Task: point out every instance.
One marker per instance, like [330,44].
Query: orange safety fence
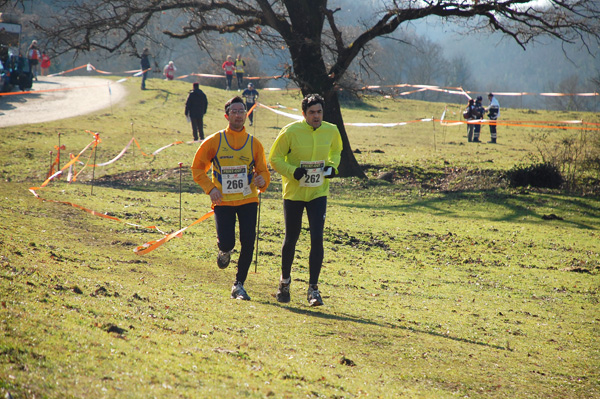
[536,124]
[69,165]
[417,87]
[152,245]
[141,250]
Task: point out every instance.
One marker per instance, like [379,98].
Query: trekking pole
[132,147]
[257,233]
[434,148]
[180,165]
[58,166]
[50,170]
[94,169]
[110,98]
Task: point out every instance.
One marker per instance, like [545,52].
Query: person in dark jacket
[478,111]
[195,108]
[145,64]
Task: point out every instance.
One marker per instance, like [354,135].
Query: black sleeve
[204,103]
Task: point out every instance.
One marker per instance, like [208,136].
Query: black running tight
[292,214]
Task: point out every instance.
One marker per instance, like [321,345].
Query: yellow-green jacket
[298,142]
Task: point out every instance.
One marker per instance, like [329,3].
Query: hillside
[441,282]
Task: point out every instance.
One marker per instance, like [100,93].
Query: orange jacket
[207,151]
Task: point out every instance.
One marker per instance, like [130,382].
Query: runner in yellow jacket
[306,153]
[239,170]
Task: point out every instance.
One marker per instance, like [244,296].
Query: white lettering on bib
[314,176]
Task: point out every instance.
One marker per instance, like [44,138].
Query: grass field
[442,283]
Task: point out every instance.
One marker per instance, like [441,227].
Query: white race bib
[235,180]
[314,177]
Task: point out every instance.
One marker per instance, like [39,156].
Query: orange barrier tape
[117,157]
[251,109]
[459,90]
[208,75]
[95,213]
[73,160]
[167,146]
[140,148]
[372,124]
[293,116]
[515,123]
[70,70]
[419,87]
[15,93]
[152,245]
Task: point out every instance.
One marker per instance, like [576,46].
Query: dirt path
[69,96]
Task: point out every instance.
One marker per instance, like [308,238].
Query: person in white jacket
[493,111]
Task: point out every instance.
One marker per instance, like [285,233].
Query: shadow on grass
[348,318]
[163,180]
[517,206]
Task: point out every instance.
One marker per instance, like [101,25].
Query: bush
[543,175]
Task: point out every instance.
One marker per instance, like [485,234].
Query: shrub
[543,175]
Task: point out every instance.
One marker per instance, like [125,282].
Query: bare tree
[569,101]
[459,72]
[320,52]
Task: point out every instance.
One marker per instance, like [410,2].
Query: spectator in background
[145,66]
[251,95]
[195,108]
[468,115]
[169,71]
[34,56]
[477,115]
[239,73]
[45,63]
[493,111]
[228,66]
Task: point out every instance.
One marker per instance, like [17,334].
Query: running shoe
[238,292]
[313,296]
[283,292]
[223,259]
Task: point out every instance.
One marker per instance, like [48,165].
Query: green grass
[444,283]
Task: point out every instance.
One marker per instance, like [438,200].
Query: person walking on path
[45,63]
[169,71]
[228,66]
[195,108]
[239,71]
[239,171]
[33,57]
[251,95]
[145,65]
[305,153]
[493,111]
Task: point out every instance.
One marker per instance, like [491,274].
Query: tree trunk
[311,75]
[332,113]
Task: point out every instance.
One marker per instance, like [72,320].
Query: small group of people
[230,67]
[39,62]
[168,71]
[305,153]
[475,111]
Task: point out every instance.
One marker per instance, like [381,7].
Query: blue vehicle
[10,41]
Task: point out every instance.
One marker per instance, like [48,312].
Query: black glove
[299,173]
[329,172]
